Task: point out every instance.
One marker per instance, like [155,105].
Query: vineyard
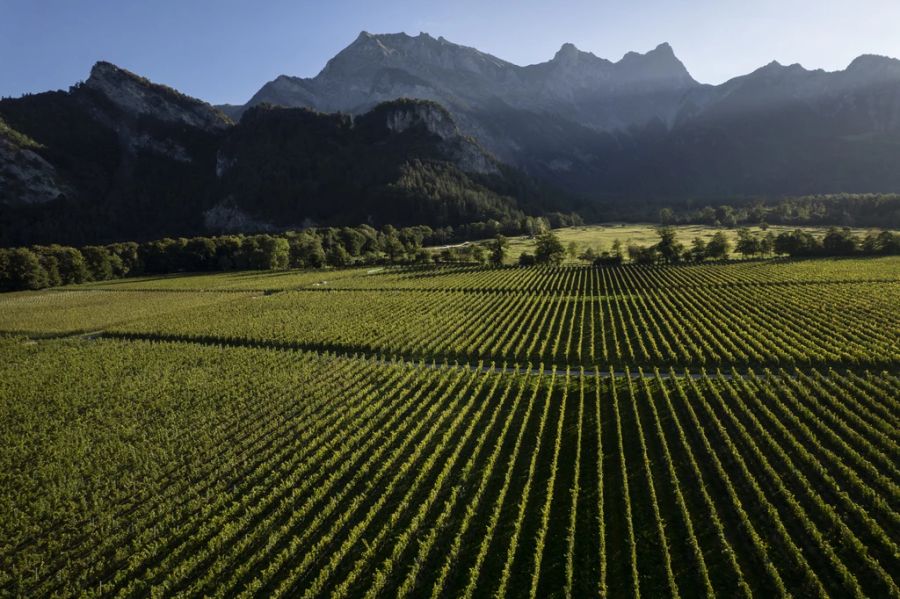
[716,430]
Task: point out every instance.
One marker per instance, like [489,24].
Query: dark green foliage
[549,249]
[748,243]
[289,165]
[718,247]
[307,250]
[498,249]
[839,242]
[607,259]
[526,259]
[643,255]
[852,210]
[125,258]
[21,269]
[588,255]
[97,260]
[338,256]
[47,266]
[668,247]
[698,250]
[284,168]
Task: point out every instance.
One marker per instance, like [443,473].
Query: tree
[49,263]
[353,240]
[697,253]
[98,262]
[725,215]
[549,249]
[229,253]
[128,258]
[666,216]
[747,243]
[155,256]
[338,255]
[718,247]
[668,247]
[526,259]
[767,244]
[265,252]
[607,259]
[23,270]
[200,254]
[616,250]
[883,242]
[839,242]
[424,257]
[588,255]
[476,251]
[72,268]
[640,254]
[391,244]
[572,250]
[797,243]
[309,251]
[535,226]
[498,249]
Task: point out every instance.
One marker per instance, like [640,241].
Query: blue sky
[223,51]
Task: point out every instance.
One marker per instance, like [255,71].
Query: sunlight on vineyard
[714,430]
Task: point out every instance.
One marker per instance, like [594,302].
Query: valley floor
[717,430]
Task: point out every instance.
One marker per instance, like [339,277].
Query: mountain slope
[403,162]
[641,125]
[119,157]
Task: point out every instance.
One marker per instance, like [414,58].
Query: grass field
[601,237]
[712,430]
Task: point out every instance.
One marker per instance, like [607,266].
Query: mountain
[119,157]
[572,94]
[416,130]
[641,126]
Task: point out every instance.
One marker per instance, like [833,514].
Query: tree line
[795,244]
[855,210]
[41,266]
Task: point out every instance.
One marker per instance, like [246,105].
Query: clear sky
[223,51]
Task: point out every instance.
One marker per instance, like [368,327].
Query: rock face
[25,177]
[227,217]
[136,96]
[464,152]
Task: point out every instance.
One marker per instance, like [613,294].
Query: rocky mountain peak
[137,96]
[874,66]
[570,56]
[567,51]
[659,65]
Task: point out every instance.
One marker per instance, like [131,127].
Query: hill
[119,157]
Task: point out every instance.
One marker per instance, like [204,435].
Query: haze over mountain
[641,125]
[119,156]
